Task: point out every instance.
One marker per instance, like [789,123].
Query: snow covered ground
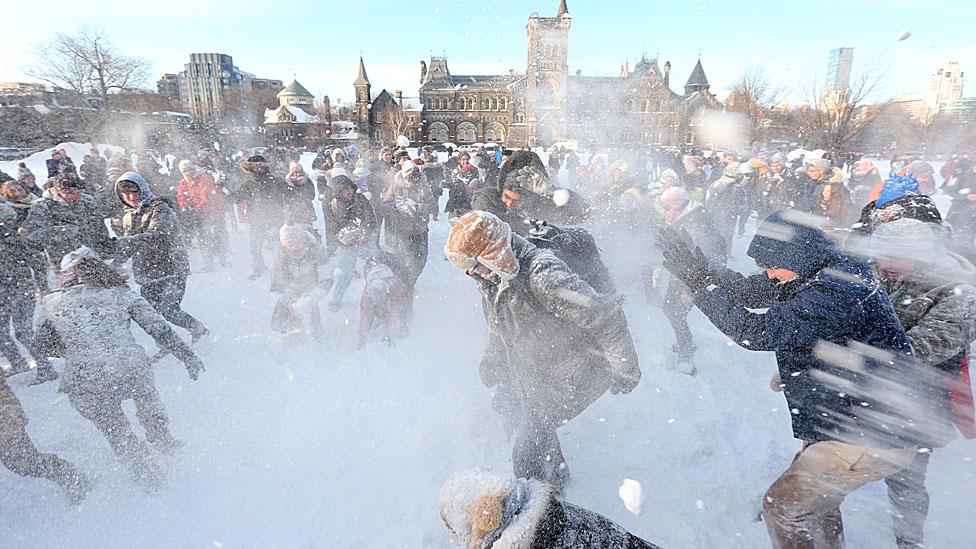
[316,445]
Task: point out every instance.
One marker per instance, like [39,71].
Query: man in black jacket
[555,345]
[264,195]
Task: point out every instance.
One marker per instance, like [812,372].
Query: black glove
[194,366]
[690,266]
[624,383]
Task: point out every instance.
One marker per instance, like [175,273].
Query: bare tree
[393,123]
[755,97]
[836,118]
[88,64]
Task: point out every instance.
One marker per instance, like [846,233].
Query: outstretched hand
[689,265]
[193,367]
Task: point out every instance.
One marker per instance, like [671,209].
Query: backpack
[577,248]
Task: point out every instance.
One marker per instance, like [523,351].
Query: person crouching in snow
[555,344]
[483,509]
[384,300]
[104,365]
[858,401]
[301,278]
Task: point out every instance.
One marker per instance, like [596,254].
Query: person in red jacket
[202,205]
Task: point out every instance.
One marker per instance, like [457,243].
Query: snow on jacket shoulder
[61,226]
[100,348]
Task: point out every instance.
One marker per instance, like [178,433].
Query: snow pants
[676,312]
[104,409]
[18,453]
[166,295]
[909,501]
[802,507]
[18,310]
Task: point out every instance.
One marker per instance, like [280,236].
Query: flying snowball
[630,494]
[403,141]
[903,35]
[560,197]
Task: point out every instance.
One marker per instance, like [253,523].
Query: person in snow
[19,198]
[808,185]
[104,365]
[461,183]
[555,344]
[482,509]
[434,172]
[202,206]
[299,193]
[65,219]
[721,200]
[18,453]
[864,179]
[354,235]
[776,187]
[529,193]
[924,173]
[152,238]
[384,301]
[407,200]
[689,218]
[934,295]
[263,194]
[23,274]
[857,400]
[301,279]
[900,196]
[834,200]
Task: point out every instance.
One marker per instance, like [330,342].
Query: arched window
[437,132]
[470,103]
[504,103]
[467,133]
[495,132]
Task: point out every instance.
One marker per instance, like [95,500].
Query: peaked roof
[563,10]
[361,77]
[295,89]
[697,81]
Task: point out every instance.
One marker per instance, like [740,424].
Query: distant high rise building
[169,85]
[839,69]
[210,80]
[945,86]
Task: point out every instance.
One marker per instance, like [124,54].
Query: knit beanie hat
[481,237]
[669,178]
[23,172]
[896,186]
[822,165]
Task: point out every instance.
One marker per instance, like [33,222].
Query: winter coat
[837,208]
[460,184]
[918,207]
[100,350]
[297,273]
[843,357]
[13,420]
[299,192]
[353,222]
[61,227]
[553,340]
[152,238]
[408,202]
[264,194]
[721,200]
[201,195]
[23,269]
[23,209]
[937,307]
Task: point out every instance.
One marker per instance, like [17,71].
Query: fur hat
[481,237]
[470,503]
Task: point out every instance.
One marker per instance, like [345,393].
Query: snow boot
[198,333]
[44,374]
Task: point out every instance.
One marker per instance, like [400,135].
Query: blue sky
[320,42]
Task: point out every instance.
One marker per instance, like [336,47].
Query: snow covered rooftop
[281,115]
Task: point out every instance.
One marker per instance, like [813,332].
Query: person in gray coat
[153,240]
[23,274]
[689,218]
[933,293]
[104,364]
[65,219]
[555,345]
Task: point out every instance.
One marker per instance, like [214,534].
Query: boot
[199,332]
[144,469]
[44,374]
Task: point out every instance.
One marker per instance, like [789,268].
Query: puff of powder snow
[631,494]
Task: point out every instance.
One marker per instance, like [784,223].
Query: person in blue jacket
[856,399]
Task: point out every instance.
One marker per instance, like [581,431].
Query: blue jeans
[343,264]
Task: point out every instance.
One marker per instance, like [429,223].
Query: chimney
[399,97]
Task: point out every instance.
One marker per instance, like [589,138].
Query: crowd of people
[865,292]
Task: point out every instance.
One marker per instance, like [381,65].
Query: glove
[624,383]
[690,266]
[194,366]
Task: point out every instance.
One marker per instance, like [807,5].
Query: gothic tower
[547,74]
[362,99]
